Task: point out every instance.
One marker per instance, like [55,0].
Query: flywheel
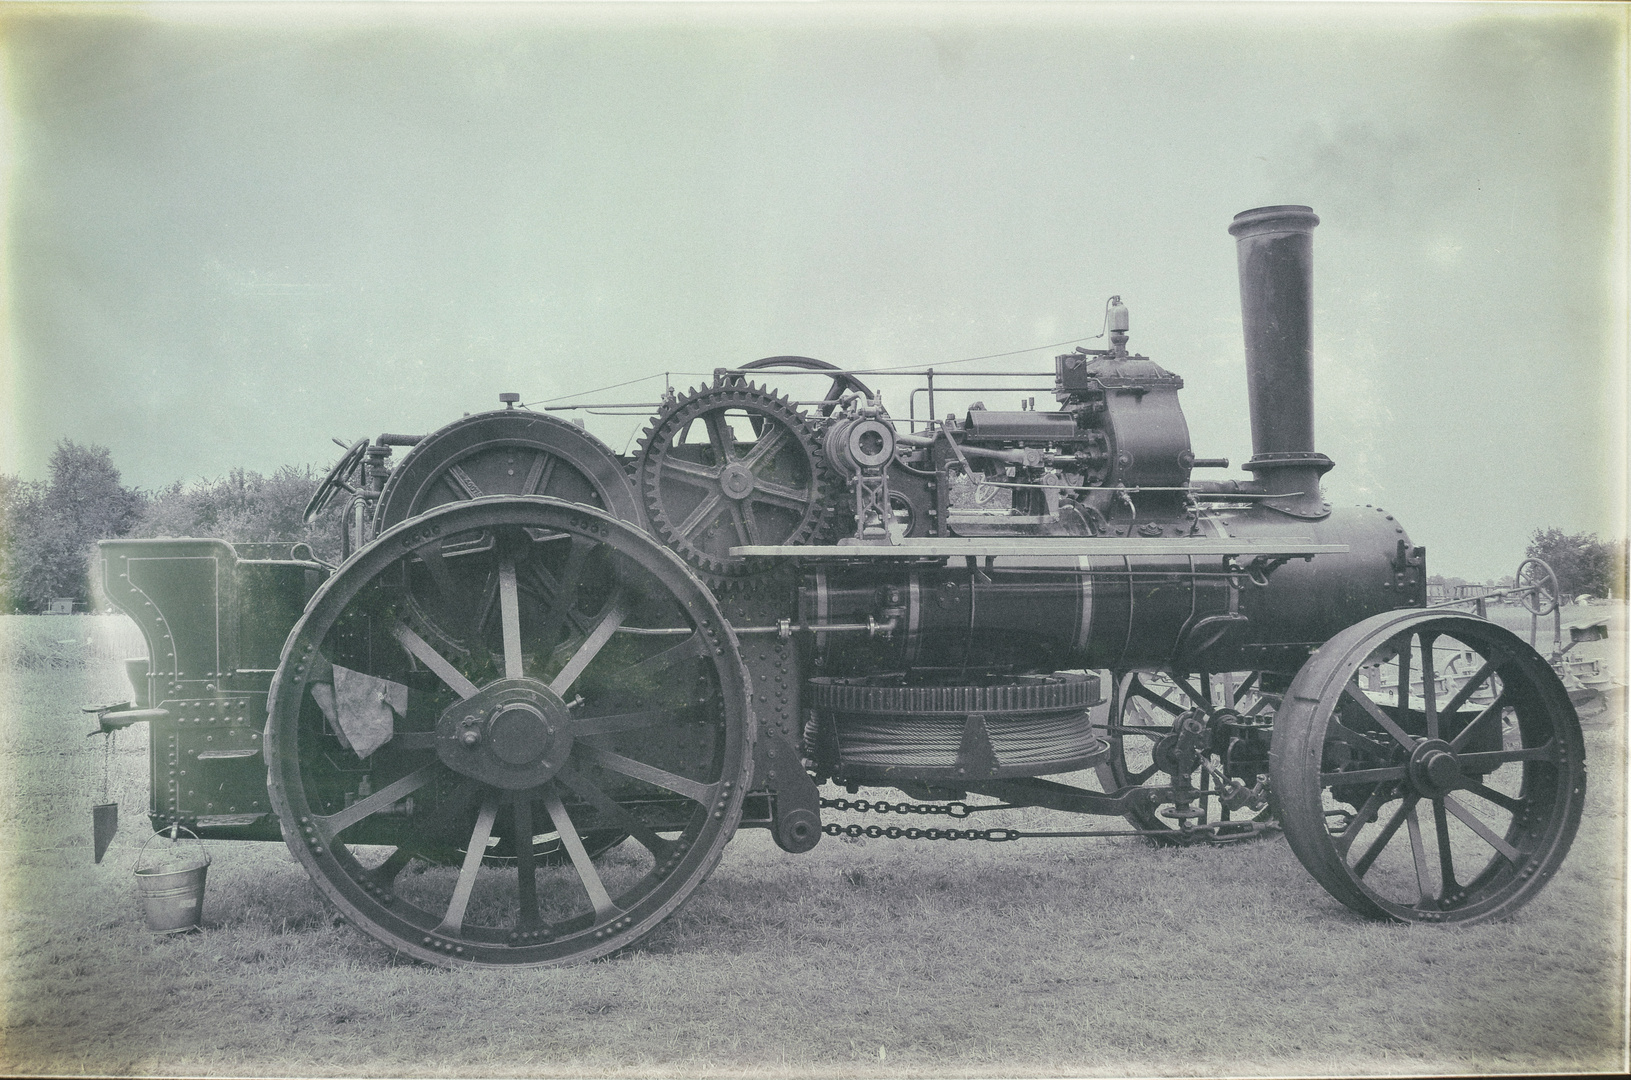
[506,452]
[732,465]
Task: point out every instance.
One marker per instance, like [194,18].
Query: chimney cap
[1267,219]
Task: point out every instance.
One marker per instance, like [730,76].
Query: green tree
[49,529]
[21,505]
[244,506]
[1584,565]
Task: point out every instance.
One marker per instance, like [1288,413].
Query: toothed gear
[707,490]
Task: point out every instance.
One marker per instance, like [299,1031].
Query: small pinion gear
[732,465]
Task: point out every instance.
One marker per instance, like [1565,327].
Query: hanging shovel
[104,824]
[104,815]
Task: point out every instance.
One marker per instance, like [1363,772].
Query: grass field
[886,958]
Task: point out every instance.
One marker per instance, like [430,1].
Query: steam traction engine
[518,724]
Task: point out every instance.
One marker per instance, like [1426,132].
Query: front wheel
[479,706]
[1428,768]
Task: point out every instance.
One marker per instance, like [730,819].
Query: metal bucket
[173,892]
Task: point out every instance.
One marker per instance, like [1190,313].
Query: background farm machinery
[520,720]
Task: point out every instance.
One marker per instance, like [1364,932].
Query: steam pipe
[1274,245]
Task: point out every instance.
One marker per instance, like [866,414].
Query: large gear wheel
[728,465]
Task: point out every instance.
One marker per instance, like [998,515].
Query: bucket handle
[173,829]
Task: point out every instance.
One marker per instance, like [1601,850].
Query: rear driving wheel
[1429,768]
[479,705]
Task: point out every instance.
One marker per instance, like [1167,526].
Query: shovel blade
[104,824]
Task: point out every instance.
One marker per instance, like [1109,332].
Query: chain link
[869,806]
[895,832]
[1218,832]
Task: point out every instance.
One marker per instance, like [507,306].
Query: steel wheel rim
[422,915]
[1393,827]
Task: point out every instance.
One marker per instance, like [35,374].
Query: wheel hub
[514,734]
[1434,769]
[737,481]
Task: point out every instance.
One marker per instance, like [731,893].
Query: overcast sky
[235,232]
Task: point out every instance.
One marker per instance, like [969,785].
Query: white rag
[361,708]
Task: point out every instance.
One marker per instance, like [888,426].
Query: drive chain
[1218,832]
[895,832]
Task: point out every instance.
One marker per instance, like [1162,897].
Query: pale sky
[234,232]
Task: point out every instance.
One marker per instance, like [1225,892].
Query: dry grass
[1076,957]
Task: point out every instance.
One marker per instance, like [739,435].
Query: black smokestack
[1275,247]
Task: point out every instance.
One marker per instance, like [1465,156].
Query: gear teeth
[657,441]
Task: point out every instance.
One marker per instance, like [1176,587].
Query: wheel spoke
[1488,762]
[1344,840]
[1446,858]
[1143,774]
[509,603]
[562,608]
[386,872]
[1470,820]
[1429,679]
[1418,855]
[1364,776]
[689,649]
[434,660]
[679,785]
[1404,677]
[629,721]
[706,509]
[471,489]
[435,564]
[526,876]
[740,519]
[379,800]
[1470,687]
[538,477]
[1504,801]
[1243,689]
[765,449]
[1202,702]
[483,608]
[1494,709]
[452,923]
[598,897]
[614,813]
[551,592]
[586,653]
[780,495]
[719,437]
[1143,693]
[690,472]
[1385,837]
[1403,738]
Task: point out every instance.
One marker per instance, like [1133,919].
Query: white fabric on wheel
[362,708]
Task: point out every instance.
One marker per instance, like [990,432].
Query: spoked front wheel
[480,704]
[1428,768]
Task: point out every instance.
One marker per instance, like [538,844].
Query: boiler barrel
[1050,613]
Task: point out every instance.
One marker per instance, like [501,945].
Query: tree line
[49,529]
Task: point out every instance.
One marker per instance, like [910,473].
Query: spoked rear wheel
[509,685]
[1429,768]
